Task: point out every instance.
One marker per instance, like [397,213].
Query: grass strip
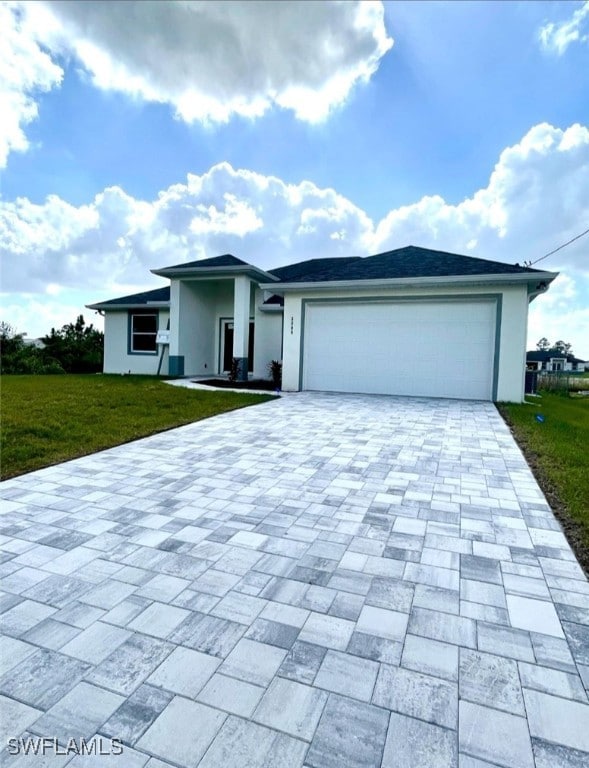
[557,450]
[49,419]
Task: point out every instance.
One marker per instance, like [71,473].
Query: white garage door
[423,348]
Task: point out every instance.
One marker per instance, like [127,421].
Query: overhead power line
[560,247]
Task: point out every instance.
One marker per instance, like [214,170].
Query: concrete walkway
[323,580]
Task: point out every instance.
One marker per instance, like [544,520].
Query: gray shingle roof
[544,356]
[226,260]
[314,270]
[400,263]
[159,295]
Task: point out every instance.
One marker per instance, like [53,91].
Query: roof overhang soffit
[537,283]
[117,307]
[217,273]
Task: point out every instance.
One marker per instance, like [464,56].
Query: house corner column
[175,359]
[241,323]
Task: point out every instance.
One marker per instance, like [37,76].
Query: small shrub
[234,369]
[275,371]
[53,366]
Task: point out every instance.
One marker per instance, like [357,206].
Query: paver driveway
[334,581]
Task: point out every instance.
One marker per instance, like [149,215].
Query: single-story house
[553,362]
[412,321]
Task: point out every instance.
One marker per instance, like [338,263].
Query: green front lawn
[558,452]
[48,419]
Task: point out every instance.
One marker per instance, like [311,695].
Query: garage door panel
[438,349]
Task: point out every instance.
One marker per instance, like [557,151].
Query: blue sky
[142,135]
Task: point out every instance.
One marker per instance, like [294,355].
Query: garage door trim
[497,298]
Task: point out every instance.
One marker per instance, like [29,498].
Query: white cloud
[116,238]
[555,37]
[562,313]
[25,71]
[213,60]
[35,317]
[237,218]
[209,60]
[537,197]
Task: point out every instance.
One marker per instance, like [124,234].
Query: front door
[227,341]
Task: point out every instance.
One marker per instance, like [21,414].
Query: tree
[78,347]
[12,348]
[16,356]
[562,347]
[559,347]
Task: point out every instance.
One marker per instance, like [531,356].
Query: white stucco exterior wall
[242,302]
[117,358]
[196,316]
[198,309]
[174,317]
[224,306]
[512,336]
[267,339]
[512,349]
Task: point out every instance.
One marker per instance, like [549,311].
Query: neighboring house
[37,343]
[553,361]
[407,322]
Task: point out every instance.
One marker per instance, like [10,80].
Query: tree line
[74,348]
[559,347]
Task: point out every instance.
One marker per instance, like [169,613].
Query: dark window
[143,333]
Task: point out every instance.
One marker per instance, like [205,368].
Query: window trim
[130,334]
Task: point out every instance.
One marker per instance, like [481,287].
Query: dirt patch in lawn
[259,384]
